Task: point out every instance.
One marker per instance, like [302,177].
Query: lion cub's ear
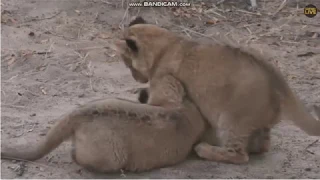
[132,45]
[137,20]
[122,45]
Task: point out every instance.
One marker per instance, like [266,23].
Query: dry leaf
[187,15]
[104,35]
[112,55]
[315,35]
[26,54]
[6,19]
[212,22]
[44,41]
[11,61]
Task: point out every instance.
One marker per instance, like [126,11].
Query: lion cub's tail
[294,110]
[62,130]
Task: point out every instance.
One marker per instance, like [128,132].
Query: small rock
[33,114]
[42,134]
[307,169]
[31,34]
[81,95]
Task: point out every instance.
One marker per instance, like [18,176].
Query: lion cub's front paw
[203,150]
[221,154]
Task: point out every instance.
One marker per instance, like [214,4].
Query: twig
[43,91]
[41,19]
[309,151]
[21,133]
[106,2]
[3,92]
[91,86]
[187,33]
[290,42]
[43,52]
[250,32]
[79,31]
[78,54]
[154,17]
[214,12]
[64,37]
[12,106]
[220,2]
[32,162]
[243,11]
[313,143]
[32,93]
[195,32]
[12,78]
[49,50]
[124,16]
[85,57]
[93,47]
[49,159]
[307,148]
[280,7]
[122,3]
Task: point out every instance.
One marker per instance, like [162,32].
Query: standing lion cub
[239,93]
[113,134]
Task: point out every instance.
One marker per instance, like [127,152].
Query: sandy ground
[55,54]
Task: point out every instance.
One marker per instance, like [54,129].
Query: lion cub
[237,92]
[113,134]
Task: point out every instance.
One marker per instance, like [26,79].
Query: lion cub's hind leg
[259,141]
[234,141]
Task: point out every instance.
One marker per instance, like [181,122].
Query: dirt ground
[56,54]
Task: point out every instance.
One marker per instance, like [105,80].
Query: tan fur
[238,92]
[259,141]
[113,134]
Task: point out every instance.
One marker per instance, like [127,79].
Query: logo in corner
[310,11]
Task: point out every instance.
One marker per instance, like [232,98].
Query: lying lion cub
[113,134]
[237,91]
